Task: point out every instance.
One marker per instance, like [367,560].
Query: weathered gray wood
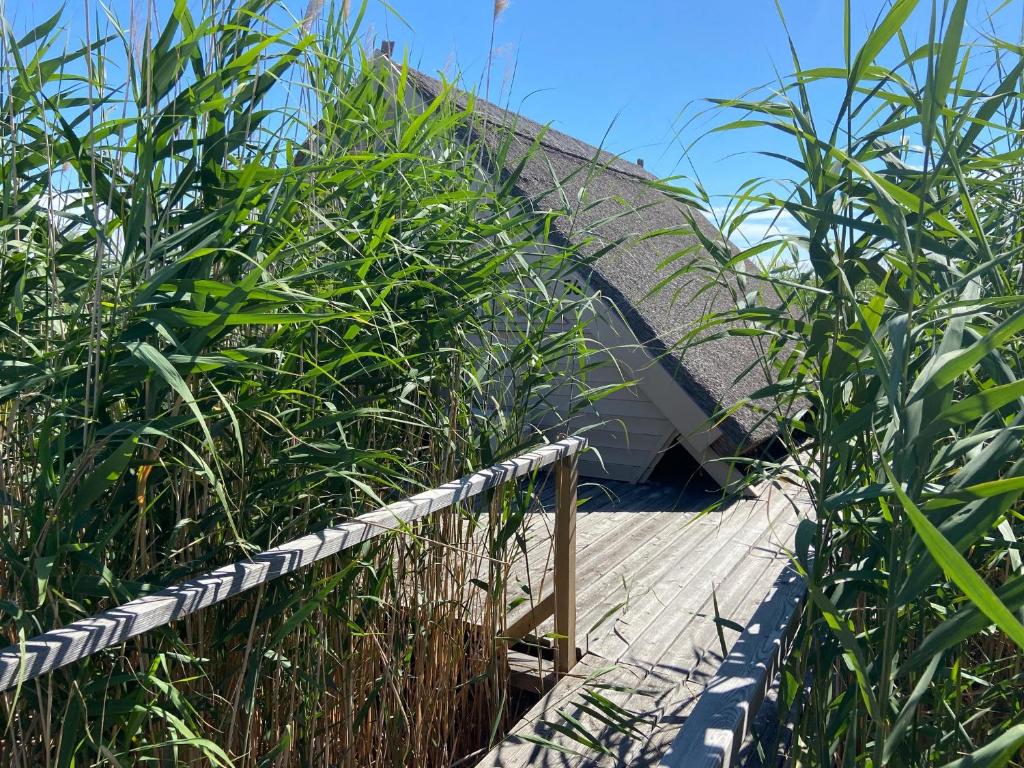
[594,562]
[592,672]
[599,566]
[715,729]
[530,673]
[694,654]
[735,550]
[661,650]
[540,526]
[59,647]
[633,553]
[662,564]
[566,477]
[674,651]
[678,588]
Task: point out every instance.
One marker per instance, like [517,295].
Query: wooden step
[531,673]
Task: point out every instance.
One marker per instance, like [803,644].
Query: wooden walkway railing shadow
[676,606]
[714,731]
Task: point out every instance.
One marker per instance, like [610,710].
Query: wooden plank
[664,498]
[591,528]
[658,555]
[615,495]
[529,621]
[662,631]
[715,729]
[638,545]
[598,496]
[639,539]
[632,534]
[530,673]
[565,564]
[59,647]
[594,552]
[659,663]
[592,523]
[533,568]
[515,751]
[597,569]
[675,583]
[691,657]
[670,685]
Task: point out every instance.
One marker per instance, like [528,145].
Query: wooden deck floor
[651,565]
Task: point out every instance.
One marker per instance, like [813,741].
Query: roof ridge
[640,173]
[633,171]
[724,369]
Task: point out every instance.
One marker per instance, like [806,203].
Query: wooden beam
[721,719]
[60,647]
[566,477]
[530,620]
[530,673]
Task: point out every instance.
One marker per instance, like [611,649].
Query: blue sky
[629,69]
[630,74]
[637,75]
[636,70]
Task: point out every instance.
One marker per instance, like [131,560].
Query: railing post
[566,474]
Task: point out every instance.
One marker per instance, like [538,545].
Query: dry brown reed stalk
[445,695]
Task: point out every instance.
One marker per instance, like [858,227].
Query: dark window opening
[677,467]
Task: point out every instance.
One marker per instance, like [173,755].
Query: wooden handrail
[60,647]
[724,713]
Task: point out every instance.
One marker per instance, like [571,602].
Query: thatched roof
[620,205]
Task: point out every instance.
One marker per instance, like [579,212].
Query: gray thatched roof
[613,201]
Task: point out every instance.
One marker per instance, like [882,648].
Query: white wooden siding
[626,430]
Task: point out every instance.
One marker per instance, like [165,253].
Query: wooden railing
[60,647]
[715,729]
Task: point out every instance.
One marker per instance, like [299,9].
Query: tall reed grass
[893,318]
[248,290]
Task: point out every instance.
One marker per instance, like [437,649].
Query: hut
[682,400]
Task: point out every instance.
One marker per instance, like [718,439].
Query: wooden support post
[566,474]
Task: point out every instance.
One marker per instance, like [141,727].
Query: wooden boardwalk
[654,589]
[651,566]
